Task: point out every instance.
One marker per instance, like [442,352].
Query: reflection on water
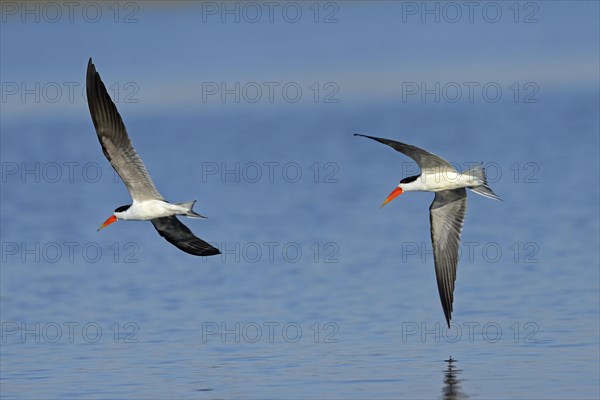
[452,389]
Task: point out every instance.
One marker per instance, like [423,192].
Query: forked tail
[190,213]
[478,172]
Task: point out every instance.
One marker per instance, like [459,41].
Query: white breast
[150,209]
[438,181]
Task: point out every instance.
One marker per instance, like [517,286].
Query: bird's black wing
[447,214]
[425,159]
[182,237]
[114,140]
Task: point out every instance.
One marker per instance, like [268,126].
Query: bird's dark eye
[123,208]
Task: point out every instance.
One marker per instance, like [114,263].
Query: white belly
[445,180]
[150,209]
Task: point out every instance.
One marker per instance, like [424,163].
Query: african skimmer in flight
[148,204]
[446,213]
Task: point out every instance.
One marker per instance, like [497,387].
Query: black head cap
[409,179]
[123,208]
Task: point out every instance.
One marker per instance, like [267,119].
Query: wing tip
[91,79]
[91,68]
[378,139]
[448,316]
[211,252]
[446,299]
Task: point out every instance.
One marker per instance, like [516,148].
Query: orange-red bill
[395,193]
[109,221]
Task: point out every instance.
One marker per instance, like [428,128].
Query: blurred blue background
[250,109]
